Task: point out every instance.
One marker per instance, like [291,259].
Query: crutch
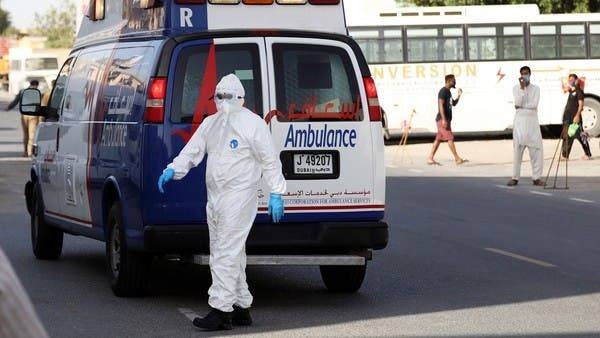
[560,145]
[404,138]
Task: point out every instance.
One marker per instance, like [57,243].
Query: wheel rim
[589,117]
[115,251]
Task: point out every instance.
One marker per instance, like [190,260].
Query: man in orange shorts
[444,120]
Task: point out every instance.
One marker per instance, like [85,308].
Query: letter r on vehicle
[185,17]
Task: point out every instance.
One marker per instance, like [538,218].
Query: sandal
[461,161]
[433,162]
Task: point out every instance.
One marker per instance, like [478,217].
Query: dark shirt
[445,95]
[572,105]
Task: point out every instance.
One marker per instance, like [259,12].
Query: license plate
[313,164]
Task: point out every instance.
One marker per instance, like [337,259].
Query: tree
[58,24]
[4,21]
[546,6]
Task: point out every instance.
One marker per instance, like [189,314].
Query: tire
[46,240]
[343,278]
[127,271]
[591,116]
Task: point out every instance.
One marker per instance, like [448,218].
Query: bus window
[572,41]
[595,39]
[315,83]
[392,46]
[543,42]
[33,64]
[483,44]
[15,65]
[513,43]
[435,44]
[240,59]
[368,41]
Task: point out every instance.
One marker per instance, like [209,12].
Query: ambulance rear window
[239,59]
[315,83]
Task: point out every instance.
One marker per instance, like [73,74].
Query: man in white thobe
[526,129]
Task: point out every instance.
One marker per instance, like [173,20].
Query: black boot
[241,316]
[214,320]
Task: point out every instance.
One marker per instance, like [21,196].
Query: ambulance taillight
[155,104]
[372,99]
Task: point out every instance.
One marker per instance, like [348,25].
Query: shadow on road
[435,262]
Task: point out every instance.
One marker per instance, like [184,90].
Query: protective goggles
[225,96]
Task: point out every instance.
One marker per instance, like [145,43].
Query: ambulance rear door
[320,124]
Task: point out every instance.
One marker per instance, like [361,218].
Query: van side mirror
[31,102]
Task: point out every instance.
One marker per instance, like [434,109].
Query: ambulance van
[138,83]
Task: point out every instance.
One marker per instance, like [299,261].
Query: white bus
[410,49]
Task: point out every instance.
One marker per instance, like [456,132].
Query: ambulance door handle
[57,137]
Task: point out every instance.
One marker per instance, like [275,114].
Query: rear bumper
[282,238]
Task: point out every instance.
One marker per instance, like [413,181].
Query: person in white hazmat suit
[240,150]
[526,129]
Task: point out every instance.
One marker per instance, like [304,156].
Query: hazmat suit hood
[229,94]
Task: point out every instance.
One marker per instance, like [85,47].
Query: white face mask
[224,107]
[230,105]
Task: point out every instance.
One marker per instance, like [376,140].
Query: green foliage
[58,24]
[546,6]
[4,21]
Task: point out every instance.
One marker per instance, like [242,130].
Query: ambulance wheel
[46,240]
[127,270]
[343,278]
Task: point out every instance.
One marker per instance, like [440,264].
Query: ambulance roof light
[292,2]
[258,2]
[190,2]
[324,2]
[150,3]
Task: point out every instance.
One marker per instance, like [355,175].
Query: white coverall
[526,131]
[240,150]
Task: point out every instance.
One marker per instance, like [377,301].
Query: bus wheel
[386,130]
[127,270]
[343,278]
[591,116]
[46,240]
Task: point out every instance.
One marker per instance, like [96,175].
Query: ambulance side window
[58,92]
[84,84]
[191,74]
[315,83]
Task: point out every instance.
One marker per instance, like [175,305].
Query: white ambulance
[139,82]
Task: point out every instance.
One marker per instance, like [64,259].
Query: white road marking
[15,159]
[504,187]
[540,193]
[521,258]
[188,313]
[580,200]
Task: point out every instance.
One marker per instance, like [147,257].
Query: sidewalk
[11,136]
[490,158]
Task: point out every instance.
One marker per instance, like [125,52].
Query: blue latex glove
[276,207]
[166,176]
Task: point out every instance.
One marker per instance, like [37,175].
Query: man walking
[526,129]
[444,120]
[29,123]
[572,114]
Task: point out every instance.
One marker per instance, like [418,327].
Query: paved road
[467,257]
